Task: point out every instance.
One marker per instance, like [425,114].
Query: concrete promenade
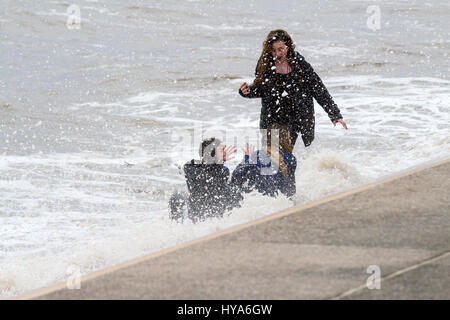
[320,250]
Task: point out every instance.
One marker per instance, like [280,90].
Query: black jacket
[288,99]
[210,195]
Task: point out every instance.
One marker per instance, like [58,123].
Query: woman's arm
[319,91]
[253,90]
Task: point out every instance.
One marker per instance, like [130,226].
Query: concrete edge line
[393,275]
[52,288]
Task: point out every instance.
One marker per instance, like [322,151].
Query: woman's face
[279,51]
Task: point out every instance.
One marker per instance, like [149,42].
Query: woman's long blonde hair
[266,61]
[280,133]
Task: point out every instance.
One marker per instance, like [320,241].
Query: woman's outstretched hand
[341,122]
[248,149]
[244,88]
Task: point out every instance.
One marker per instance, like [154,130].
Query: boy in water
[210,194]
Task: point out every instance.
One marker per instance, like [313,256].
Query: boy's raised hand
[228,151]
[248,150]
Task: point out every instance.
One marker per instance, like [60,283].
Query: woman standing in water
[287,84]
